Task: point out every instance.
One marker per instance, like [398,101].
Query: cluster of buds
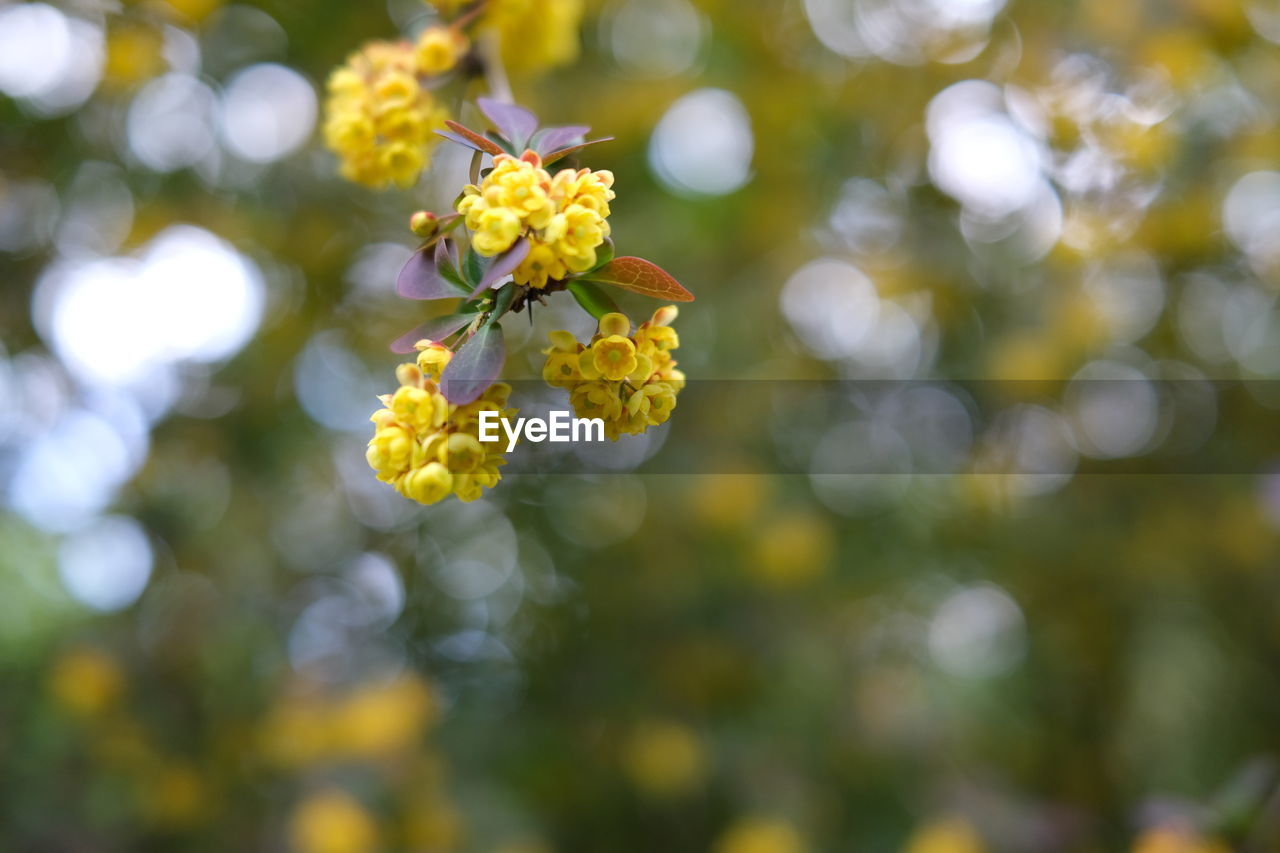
[427,447]
[629,381]
[563,218]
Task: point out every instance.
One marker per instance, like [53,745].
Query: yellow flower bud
[614,323]
[424,224]
[427,484]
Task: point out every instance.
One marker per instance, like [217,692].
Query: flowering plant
[517,234]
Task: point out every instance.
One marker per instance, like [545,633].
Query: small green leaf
[502,302]
[447,266]
[473,267]
[593,300]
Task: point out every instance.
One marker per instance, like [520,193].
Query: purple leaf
[474,367]
[516,123]
[573,149]
[554,138]
[435,329]
[419,279]
[503,265]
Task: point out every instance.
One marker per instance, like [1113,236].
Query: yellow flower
[496,229]
[596,400]
[562,217]
[428,484]
[439,49]
[576,233]
[332,821]
[612,358]
[432,358]
[627,380]
[592,190]
[561,368]
[427,447]
[380,120]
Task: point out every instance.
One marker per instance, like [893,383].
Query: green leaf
[473,267]
[502,302]
[604,254]
[640,276]
[593,300]
[447,266]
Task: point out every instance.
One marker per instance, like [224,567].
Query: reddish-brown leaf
[640,276]
[486,145]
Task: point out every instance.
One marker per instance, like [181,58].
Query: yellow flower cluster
[627,380]
[381,120]
[427,447]
[532,34]
[564,218]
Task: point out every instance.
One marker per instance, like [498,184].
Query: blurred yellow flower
[760,835]
[385,719]
[86,681]
[133,55]
[438,49]
[535,34]
[380,120]
[793,549]
[664,758]
[952,835]
[176,795]
[1169,839]
[332,821]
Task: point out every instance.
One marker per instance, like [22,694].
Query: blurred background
[1046,623]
